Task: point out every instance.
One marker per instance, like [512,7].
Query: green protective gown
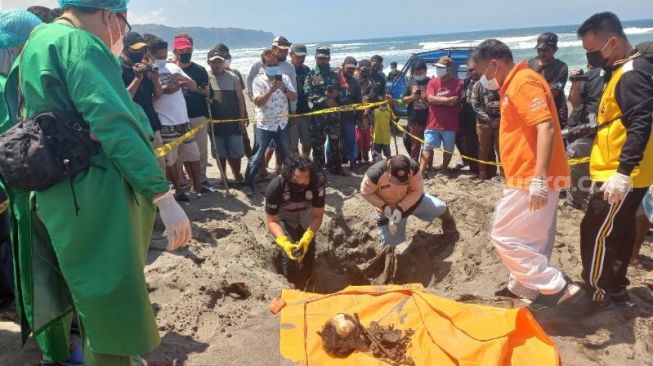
[83,244]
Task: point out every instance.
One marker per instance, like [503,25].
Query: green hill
[206,38]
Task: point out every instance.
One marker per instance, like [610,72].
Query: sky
[314,21]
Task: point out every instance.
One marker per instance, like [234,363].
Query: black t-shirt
[144,95]
[278,195]
[196,102]
[556,74]
[590,91]
[418,111]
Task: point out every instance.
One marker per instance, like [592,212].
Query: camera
[581,76]
[146,69]
[582,130]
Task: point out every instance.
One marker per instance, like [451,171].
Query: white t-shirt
[276,108]
[171,108]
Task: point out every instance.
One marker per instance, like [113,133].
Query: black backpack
[44,150]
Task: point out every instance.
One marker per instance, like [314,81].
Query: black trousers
[607,237]
[297,273]
[466,138]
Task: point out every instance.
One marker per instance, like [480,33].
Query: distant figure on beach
[394,73]
[554,71]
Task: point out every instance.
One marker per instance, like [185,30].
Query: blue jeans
[263,138]
[429,209]
[349,140]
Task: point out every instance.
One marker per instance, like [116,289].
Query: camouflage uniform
[326,125]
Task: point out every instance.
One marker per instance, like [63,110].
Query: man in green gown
[80,246]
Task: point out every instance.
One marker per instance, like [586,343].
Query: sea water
[399,49]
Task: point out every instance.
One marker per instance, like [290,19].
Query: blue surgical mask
[440,71]
[420,77]
[272,70]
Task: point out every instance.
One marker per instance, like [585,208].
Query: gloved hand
[306,240]
[287,246]
[387,211]
[397,215]
[538,194]
[615,188]
[175,220]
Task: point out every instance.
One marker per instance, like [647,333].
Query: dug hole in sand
[201,325]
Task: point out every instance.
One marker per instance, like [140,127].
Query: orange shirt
[526,101]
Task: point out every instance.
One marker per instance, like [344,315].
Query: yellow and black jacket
[625,115]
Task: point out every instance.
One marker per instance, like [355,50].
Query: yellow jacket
[611,152]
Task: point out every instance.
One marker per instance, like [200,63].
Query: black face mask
[185,57]
[297,188]
[135,57]
[596,58]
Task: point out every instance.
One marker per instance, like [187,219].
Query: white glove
[616,187]
[538,194]
[175,220]
[387,212]
[396,217]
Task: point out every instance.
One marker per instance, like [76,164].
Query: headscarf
[115,6]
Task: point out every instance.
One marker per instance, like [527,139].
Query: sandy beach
[199,325]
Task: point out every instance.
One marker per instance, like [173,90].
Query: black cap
[217,54]
[298,49]
[364,63]
[547,39]
[399,169]
[377,58]
[349,60]
[223,50]
[133,41]
[322,52]
[281,42]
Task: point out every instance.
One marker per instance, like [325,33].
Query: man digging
[396,189]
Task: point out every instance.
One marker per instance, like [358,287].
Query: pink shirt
[442,117]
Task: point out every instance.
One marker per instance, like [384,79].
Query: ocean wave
[347,45]
[638,30]
[443,44]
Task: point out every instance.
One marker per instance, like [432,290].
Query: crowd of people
[89,304]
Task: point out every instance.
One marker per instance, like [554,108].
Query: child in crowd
[382,118]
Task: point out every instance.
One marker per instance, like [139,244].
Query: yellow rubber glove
[287,246]
[306,240]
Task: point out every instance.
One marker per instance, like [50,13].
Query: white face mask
[440,71]
[160,64]
[492,85]
[420,77]
[227,63]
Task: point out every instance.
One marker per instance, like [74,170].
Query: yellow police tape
[165,149]
[3,206]
[572,162]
